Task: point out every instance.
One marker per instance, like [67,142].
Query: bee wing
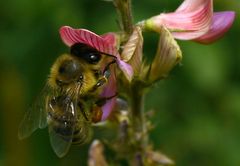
[35,117]
[60,144]
[61,128]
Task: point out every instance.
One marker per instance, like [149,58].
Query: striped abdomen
[67,121]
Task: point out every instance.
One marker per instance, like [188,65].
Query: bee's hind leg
[97,109]
[102,101]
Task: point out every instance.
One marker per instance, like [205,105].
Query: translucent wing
[35,117]
[61,123]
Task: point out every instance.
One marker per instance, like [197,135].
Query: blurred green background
[197,107]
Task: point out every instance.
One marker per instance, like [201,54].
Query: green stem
[137,115]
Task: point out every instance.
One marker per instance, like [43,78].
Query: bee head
[69,72]
[84,65]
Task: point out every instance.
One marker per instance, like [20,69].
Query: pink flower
[194,20]
[105,44]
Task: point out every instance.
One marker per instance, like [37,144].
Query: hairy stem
[135,93]
[125,12]
[137,115]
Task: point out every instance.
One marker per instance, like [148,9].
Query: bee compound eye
[94,57]
[88,53]
[77,49]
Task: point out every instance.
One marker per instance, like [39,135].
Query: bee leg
[96,114]
[102,101]
[97,109]
[106,74]
[101,82]
[80,104]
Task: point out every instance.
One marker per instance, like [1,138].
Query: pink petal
[126,69]
[190,21]
[191,5]
[108,108]
[110,38]
[222,21]
[71,36]
[109,90]
[195,23]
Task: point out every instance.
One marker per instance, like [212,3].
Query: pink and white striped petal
[221,23]
[190,21]
[71,36]
[191,5]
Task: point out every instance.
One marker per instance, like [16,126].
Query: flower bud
[96,154]
[167,56]
[132,52]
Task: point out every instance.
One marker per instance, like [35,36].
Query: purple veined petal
[126,69]
[108,108]
[71,36]
[191,5]
[221,23]
[109,90]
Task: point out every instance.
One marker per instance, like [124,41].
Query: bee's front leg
[105,76]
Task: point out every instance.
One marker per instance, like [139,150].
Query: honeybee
[70,102]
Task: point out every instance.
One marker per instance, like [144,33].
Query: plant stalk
[136,91]
[137,116]
[125,13]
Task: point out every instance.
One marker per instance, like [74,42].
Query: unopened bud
[132,52]
[167,56]
[96,156]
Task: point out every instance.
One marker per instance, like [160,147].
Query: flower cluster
[193,20]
